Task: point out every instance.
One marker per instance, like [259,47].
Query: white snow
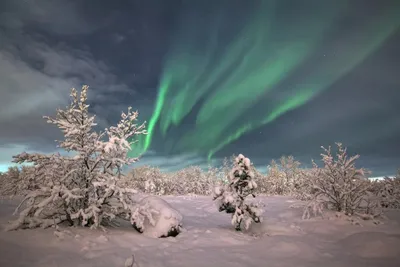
[155,217]
[282,239]
[81,189]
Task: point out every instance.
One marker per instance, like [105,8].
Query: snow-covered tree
[341,187]
[81,189]
[232,196]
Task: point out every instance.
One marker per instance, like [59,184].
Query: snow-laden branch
[82,189]
[232,196]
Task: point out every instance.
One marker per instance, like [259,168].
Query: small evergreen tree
[81,189]
[232,196]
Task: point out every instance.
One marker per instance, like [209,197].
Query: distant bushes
[388,190]
[286,178]
[191,180]
[283,178]
[337,185]
[17,181]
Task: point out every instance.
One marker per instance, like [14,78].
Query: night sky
[210,78]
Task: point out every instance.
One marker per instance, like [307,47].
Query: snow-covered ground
[283,239]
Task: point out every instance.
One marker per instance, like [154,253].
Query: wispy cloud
[37,73]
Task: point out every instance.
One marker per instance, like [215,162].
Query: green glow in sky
[225,76]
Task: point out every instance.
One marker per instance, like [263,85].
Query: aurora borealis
[211,78]
[260,68]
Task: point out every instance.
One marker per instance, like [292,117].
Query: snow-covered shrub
[272,182]
[341,187]
[194,180]
[3,184]
[284,178]
[16,181]
[258,177]
[147,179]
[155,217]
[291,174]
[190,180]
[10,182]
[232,196]
[228,164]
[388,190]
[304,189]
[81,189]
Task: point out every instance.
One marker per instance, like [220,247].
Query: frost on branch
[388,190]
[81,189]
[341,187]
[232,196]
[154,217]
[16,181]
[191,180]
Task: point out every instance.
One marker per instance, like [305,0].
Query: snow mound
[155,217]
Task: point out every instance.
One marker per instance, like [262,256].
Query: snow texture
[154,217]
[283,239]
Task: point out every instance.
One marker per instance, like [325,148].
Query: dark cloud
[37,74]
[55,16]
[118,48]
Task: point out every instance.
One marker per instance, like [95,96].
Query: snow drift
[155,217]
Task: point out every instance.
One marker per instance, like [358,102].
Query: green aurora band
[256,70]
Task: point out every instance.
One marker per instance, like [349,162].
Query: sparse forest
[338,185]
[89,188]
